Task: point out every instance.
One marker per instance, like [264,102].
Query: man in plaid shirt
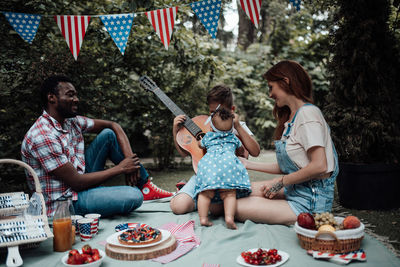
[54,148]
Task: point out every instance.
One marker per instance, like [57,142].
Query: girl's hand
[178,122]
[272,189]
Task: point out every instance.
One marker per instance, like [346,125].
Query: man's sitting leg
[108,200]
[104,146]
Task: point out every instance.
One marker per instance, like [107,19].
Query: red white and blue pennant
[296,4]
[163,21]
[119,26]
[73,28]
[252,9]
[208,12]
[25,25]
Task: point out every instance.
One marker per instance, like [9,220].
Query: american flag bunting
[73,28]
[252,9]
[119,26]
[163,21]
[25,25]
[208,12]
[296,4]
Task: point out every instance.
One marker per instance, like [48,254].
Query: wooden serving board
[137,254]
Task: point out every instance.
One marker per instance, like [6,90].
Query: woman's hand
[272,189]
[236,122]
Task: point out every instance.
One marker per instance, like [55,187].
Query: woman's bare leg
[229,198]
[203,206]
[263,210]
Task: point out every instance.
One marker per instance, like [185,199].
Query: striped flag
[163,21]
[73,28]
[252,9]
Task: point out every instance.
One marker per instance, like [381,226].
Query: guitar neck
[189,124]
[168,102]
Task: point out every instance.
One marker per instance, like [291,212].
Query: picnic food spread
[140,235]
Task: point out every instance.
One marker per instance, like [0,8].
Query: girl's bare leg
[229,198]
[203,206]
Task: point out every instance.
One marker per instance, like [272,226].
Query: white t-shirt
[308,130]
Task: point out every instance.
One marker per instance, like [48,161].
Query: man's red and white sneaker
[150,191]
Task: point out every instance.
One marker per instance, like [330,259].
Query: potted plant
[364,105]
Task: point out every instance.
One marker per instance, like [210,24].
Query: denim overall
[314,196]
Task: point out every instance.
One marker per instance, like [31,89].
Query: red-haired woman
[305,153]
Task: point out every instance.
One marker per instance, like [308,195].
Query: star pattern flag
[163,21]
[296,4]
[208,12]
[73,28]
[25,25]
[119,26]
[252,9]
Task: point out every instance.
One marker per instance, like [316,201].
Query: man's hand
[131,166]
[132,178]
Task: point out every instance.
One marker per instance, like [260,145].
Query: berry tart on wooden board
[140,235]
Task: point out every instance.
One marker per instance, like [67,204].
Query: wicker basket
[26,230]
[341,241]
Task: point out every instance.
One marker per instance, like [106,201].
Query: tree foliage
[107,81]
[364,100]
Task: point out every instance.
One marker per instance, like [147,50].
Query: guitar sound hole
[186,139]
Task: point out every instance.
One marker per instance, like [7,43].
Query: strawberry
[87,249]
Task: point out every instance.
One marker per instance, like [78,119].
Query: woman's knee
[181,204]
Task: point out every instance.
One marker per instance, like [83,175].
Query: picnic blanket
[218,245]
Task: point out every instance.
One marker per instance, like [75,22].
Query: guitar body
[189,143]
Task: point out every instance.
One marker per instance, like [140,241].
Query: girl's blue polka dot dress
[220,168]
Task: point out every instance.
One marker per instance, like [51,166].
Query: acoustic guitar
[193,130]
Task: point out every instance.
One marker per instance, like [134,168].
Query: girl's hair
[299,85]
[220,94]
[224,114]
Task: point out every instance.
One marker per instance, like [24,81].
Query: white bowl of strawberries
[86,256]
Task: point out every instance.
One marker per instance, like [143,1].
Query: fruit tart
[140,235]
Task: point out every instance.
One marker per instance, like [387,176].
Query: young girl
[220,173]
[185,201]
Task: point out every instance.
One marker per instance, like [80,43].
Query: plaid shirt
[48,146]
